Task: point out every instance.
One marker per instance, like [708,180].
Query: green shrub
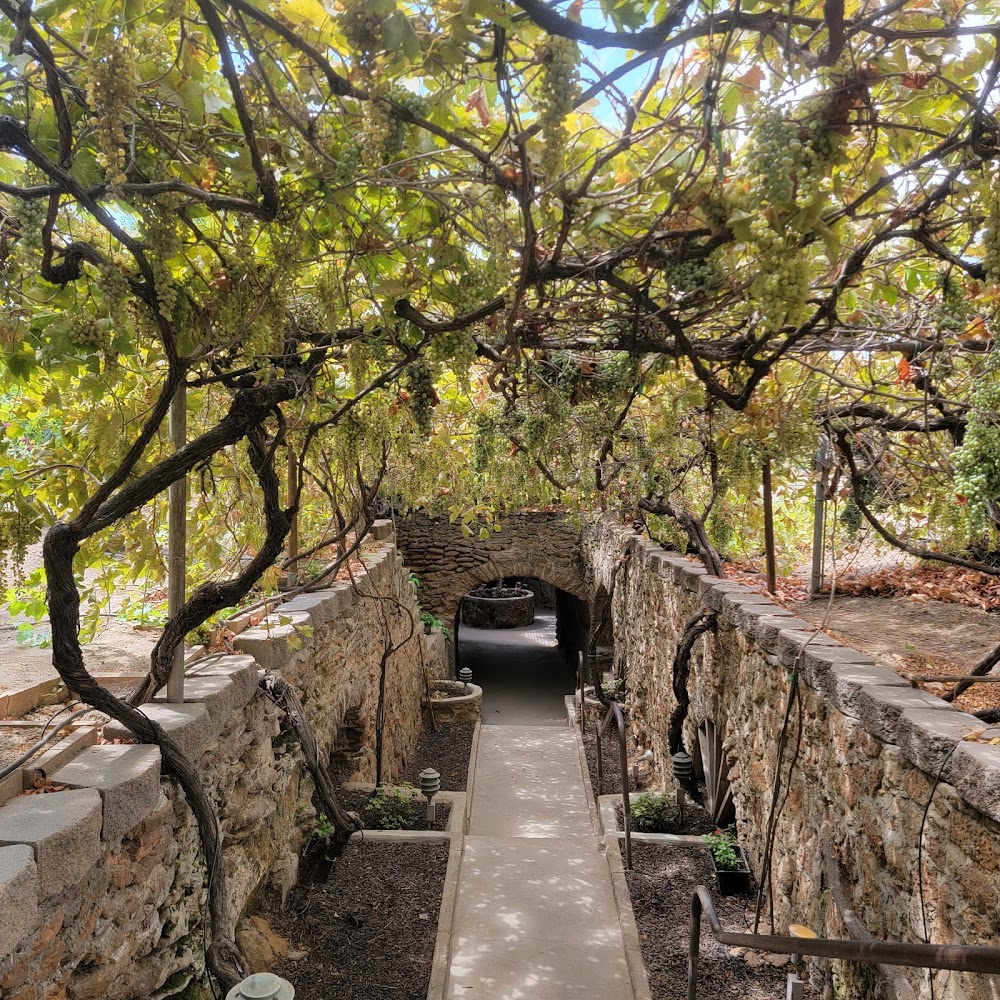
[390,809]
[654,813]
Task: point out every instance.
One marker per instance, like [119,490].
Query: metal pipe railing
[583,693]
[956,957]
[615,712]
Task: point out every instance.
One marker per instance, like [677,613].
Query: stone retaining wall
[871,752]
[102,886]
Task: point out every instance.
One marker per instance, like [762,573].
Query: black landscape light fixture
[430,785]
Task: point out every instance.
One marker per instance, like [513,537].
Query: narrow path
[522,671]
[535,917]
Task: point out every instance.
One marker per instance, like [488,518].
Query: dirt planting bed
[412,814]
[661,884]
[368,931]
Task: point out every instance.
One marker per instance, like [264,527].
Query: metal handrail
[615,712]
[957,957]
[583,693]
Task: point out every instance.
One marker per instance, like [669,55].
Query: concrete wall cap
[128,779]
[190,725]
[63,830]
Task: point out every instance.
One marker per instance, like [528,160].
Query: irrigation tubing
[41,744]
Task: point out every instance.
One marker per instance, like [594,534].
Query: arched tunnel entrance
[525,670]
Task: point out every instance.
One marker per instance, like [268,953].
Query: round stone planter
[453,701]
[499,612]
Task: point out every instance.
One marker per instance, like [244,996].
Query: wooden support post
[772,576]
[177,540]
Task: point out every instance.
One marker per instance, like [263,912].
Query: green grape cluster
[533,430]
[359,363]
[991,237]
[376,127]
[688,276]
[363,28]
[110,75]
[457,349]
[416,104]
[87,334]
[787,162]
[114,288]
[165,288]
[781,288]
[420,385]
[31,218]
[498,238]
[16,534]
[560,88]
[344,156]
[484,441]
[953,311]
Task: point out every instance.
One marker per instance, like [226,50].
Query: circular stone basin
[453,701]
[499,612]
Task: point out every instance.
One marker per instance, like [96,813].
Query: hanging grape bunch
[423,398]
[991,237]
[363,30]
[416,105]
[689,276]
[559,90]
[953,311]
[30,219]
[16,534]
[484,441]
[344,157]
[110,80]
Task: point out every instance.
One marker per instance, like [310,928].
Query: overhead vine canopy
[582,246]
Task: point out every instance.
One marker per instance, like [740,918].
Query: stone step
[127,778]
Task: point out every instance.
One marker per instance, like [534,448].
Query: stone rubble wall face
[860,787]
[131,925]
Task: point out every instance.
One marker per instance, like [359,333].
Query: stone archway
[540,545]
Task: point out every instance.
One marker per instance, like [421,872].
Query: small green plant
[324,827]
[431,621]
[654,812]
[390,809]
[722,844]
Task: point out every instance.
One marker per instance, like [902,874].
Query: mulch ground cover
[610,754]
[447,751]
[661,884]
[369,930]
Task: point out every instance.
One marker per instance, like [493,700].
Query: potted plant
[732,873]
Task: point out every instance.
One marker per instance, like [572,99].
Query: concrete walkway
[522,672]
[535,917]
